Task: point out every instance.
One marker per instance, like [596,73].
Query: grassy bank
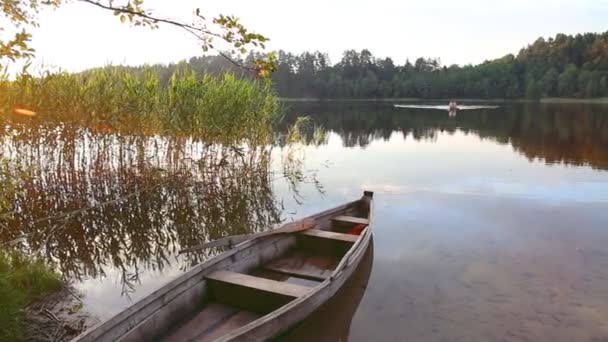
[22,280]
[220,108]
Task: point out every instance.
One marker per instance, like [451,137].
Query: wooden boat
[254,291]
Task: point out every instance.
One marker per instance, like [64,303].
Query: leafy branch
[223,28]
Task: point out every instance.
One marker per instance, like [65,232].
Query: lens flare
[24,112]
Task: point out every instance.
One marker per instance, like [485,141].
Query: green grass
[23,280]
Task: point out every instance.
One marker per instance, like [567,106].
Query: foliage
[23,14]
[22,280]
[216,108]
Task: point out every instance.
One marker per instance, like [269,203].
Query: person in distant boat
[452,108]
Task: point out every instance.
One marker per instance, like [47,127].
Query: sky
[78,36]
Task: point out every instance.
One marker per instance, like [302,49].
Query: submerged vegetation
[214,108]
[23,279]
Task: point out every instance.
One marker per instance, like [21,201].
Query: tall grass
[216,108]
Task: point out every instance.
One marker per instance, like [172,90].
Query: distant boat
[255,291]
[450,107]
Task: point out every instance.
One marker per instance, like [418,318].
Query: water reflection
[573,134]
[91,202]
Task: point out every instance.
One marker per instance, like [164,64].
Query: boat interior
[280,270]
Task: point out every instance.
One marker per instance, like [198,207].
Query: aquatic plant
[221,109]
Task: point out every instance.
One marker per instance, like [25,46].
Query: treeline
[564,66]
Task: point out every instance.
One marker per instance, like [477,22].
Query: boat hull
[271,307]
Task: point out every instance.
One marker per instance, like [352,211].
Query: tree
[592,88]
[532,90]
[567,81]
[603,86]
[548,83]
[23,14]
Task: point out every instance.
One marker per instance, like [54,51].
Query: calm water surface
[490,225]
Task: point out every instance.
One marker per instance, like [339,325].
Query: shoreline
[38,303]
[58,316]
[546,100]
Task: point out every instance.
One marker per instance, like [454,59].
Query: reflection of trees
[571,134]
[564,134]
[92,201]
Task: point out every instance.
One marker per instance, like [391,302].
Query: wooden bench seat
[351,219]
[257,283]
[330,235]
[318,275]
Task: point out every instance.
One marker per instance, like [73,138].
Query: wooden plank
[324,218]
[305,264]
[286,278]
[245,280]
[203,321]
[330,235]
[351,219]
[235,322]
[299,272]
[214,321]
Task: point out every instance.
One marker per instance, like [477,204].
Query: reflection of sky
[454,267]
[102,297]
[452,163]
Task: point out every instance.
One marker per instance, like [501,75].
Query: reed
[221,109]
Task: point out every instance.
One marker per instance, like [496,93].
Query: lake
[491,224]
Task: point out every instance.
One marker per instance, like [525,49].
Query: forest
[561,66]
